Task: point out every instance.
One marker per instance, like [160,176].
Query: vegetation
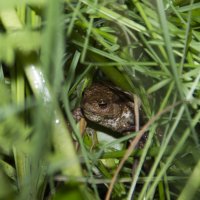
[50,51]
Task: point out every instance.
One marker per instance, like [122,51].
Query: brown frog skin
[108,107]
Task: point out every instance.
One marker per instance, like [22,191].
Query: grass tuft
[50,51]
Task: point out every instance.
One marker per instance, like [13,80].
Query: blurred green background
[50,51]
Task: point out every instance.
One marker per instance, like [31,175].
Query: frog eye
[102,104]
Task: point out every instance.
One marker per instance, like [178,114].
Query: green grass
[50,51]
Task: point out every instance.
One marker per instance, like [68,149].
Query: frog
[108,106]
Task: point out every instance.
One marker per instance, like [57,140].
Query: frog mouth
[92,117]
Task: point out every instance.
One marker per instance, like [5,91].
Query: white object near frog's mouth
[104,138]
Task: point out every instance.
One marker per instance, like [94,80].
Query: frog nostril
[102,104]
